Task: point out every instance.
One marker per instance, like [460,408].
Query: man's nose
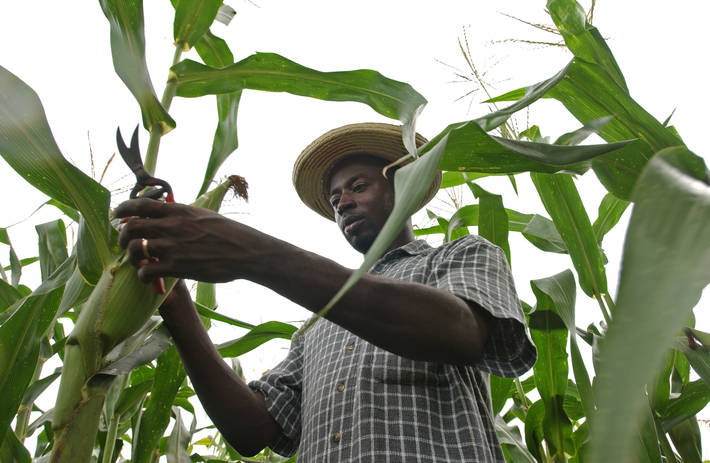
[345,202]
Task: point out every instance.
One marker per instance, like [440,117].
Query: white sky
[63,53]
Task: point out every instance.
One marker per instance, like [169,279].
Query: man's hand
[188,242]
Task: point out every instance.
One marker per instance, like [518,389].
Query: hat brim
[312,170]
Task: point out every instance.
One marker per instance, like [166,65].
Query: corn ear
[119,305]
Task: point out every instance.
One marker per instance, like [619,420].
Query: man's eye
[334,202]
[359,187]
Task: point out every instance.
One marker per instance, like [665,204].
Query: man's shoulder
[465,242]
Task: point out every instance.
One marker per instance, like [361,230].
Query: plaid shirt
[341,399]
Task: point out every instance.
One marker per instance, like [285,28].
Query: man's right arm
[239,413]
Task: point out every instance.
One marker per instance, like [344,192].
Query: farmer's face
[362,199]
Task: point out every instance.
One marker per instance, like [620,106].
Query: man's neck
[405,236]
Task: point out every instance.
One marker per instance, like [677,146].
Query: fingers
[145,207]
[138,228]
[149,271]
[140,250]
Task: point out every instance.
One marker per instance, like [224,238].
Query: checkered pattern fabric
[340,399]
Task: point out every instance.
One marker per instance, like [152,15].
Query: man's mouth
[352,224]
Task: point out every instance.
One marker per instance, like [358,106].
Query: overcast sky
[63,53]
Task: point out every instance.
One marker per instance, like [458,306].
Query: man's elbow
[476,336]
[246,446]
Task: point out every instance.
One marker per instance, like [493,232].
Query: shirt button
[341,387]
[350,347]
[336,437]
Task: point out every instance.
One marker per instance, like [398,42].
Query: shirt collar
[412,248]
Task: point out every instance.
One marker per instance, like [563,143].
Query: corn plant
[642,402]
[121,374]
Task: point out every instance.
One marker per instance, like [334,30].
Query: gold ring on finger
[144,245]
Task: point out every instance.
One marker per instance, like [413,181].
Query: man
[398,371]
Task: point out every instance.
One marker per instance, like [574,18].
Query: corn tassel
[119,306]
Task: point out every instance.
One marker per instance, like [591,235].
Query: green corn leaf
[659,390]
[687,440]
[225,138]
[125,18]
[12,450]
[437,229]
[572,404]
[578,136]
[648,445]
[561,200]
[451,179]
[22,263]
[589,92]
[44,420]
[550,337]
[27,144]
[169,376]
[610,211]
[176,449]
[411,182]
[38,387]
[583,39]
[151,349]
[9,295]
[20,338]
[193,19]
[512,443]
[699,359]
[501,390]
[274,73]
[681,372]
[559,293]
[470,148]
[534,134]
[466,216]
[207,312]
[701,336]
[664,270]
[88,260]
[534,435]
[216,53]
[76,292]
[256,337]
[52,246]
[693,398]
[66,210]
[541,232]
[130,398]
[15,263]
[206,295]
[525,97]
[492,218]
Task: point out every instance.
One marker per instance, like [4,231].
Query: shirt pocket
[385,367]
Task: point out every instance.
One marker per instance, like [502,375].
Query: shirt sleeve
[281,388]
[477,271]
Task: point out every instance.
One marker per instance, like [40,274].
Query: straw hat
[312,170]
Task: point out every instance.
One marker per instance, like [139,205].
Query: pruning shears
[132,157]
[146,185]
